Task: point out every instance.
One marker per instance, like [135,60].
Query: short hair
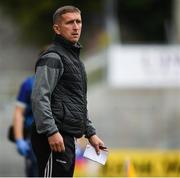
[63,10]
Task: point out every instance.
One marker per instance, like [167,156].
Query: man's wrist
[19,140]
[52,133]
[90,135]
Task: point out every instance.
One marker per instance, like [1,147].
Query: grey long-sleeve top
[48,71]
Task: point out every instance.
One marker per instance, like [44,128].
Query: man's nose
[75,25]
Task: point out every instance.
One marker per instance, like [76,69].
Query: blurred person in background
[59,99]
[23,118]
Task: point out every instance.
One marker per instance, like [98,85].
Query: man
[23,119]
[59,99]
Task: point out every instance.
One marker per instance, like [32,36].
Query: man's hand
[56,142]
[96,142]
[22,147]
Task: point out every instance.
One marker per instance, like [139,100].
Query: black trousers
[53,164]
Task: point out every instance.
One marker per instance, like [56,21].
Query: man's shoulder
[50,59]
[53,51]
[50,54]
[28,81]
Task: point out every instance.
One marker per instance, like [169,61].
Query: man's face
[69,26]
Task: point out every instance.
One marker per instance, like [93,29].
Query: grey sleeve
[90,130]
[48,70]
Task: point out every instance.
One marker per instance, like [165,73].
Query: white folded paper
[91,154]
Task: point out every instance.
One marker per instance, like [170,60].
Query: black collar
[65,43]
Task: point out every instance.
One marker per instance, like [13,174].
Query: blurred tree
[144,21]
[35,17]
[141,21]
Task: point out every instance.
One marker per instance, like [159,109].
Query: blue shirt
[24,100]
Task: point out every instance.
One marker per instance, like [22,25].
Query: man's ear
[56,29]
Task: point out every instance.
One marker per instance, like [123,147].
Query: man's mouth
[75,34]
